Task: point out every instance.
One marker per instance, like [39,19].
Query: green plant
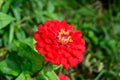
[99,22]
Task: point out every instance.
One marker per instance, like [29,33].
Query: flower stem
[61,70]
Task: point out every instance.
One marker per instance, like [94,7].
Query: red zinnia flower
[59,43]
[62,77]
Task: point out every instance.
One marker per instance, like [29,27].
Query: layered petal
[59,43]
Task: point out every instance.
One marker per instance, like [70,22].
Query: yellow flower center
[64,36]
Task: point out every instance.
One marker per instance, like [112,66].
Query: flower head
[62,77]
[59,43]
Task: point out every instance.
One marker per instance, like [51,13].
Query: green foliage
[99,22]
[5,20]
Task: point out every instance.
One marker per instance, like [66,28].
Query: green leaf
[91,34]
[20,34]
[49,72]
[117,29]
[1,3]
[16,11]
[23,76]
[6,6]
[50,6]
[11,33]
[41,76]
[5,20]
[5,69]
[51,75]
[14,61]
[55,67]
[29,55]
[5,38]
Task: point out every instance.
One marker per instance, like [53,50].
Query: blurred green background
[98,20]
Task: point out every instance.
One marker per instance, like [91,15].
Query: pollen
[64,36]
